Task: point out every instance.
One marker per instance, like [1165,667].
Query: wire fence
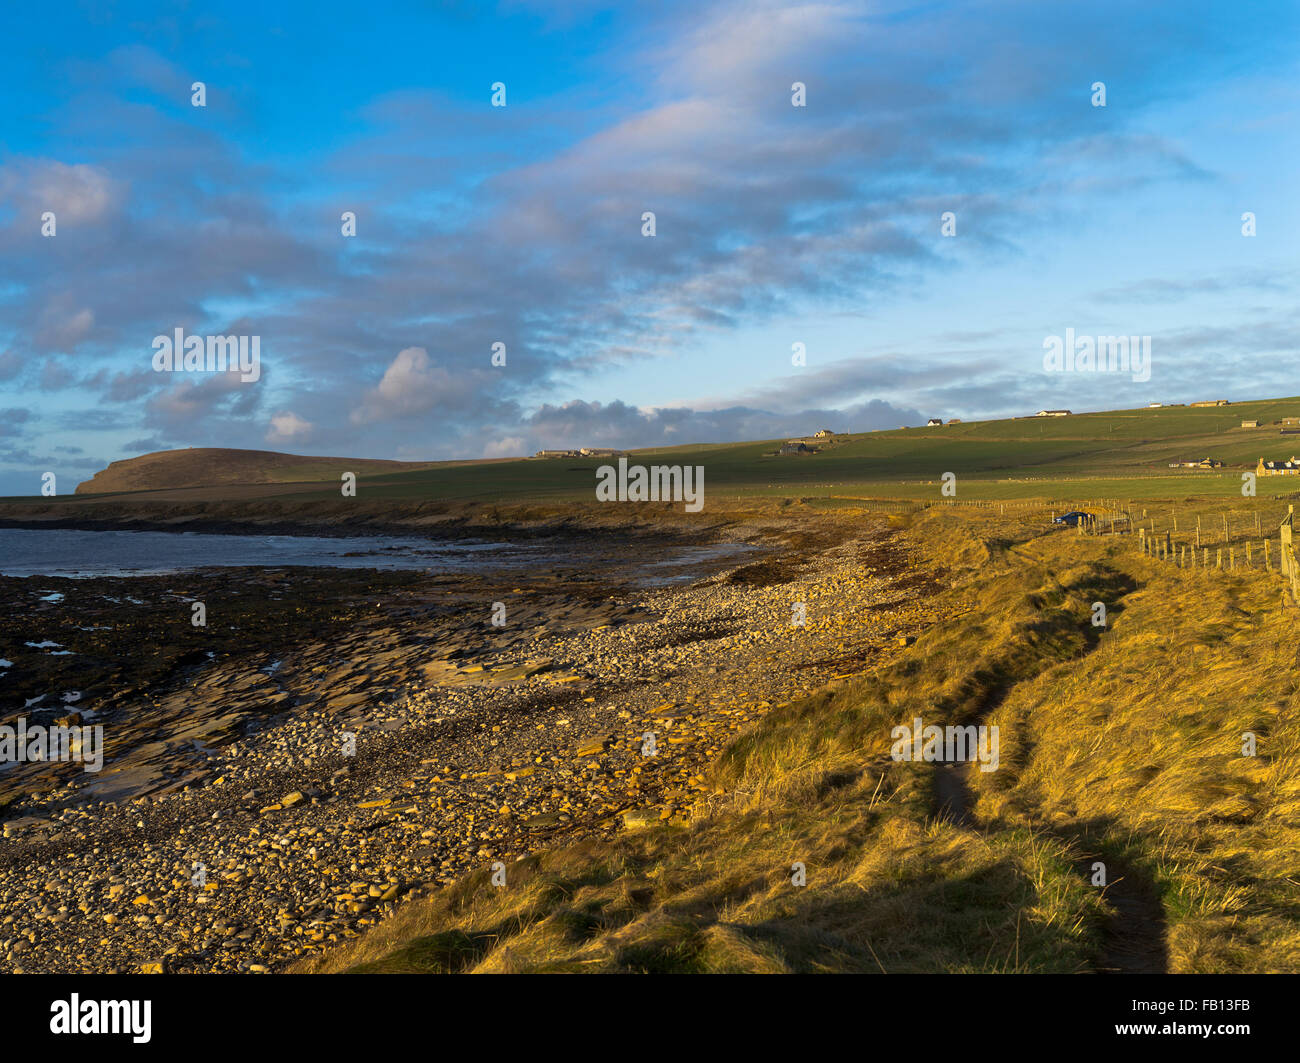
[1192,549]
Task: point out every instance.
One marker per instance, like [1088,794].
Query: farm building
[1278,468]
[934,422]
[824,433]
[1052,413]
[1204,463]
[1213,402]
[794,446]
[954,420]
[1250,424]
[1291,422]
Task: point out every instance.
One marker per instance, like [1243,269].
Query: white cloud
[412,384]
[287,425]
[509,447]
[197,396]
[76,193]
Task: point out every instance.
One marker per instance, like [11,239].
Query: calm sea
[62,552]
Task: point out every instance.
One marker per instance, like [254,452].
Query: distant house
[1204,463]
[556,454]
[1213,402]
[1250,424]
[601,452]
[1291,422]
[1052,413]
[1278,468]
[954,420]
[1154,405]
[934,422]
[794,446]
[825,433]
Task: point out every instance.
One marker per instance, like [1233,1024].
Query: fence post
[1289,565]
[1286,557]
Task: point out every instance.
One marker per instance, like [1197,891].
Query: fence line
[1225,554]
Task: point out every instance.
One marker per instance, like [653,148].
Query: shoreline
[342,518]
[52,554]
[471,742]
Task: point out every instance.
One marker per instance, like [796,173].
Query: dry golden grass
[888,890]
[1141,745]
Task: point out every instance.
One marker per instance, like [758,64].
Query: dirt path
[1135,932]
[1134,935]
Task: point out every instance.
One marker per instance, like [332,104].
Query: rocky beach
[336,740]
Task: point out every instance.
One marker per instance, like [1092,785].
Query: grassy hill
[1121,454]
[222,466]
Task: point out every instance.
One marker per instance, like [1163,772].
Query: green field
[1119,454]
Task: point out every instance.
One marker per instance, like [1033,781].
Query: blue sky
[521,224]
